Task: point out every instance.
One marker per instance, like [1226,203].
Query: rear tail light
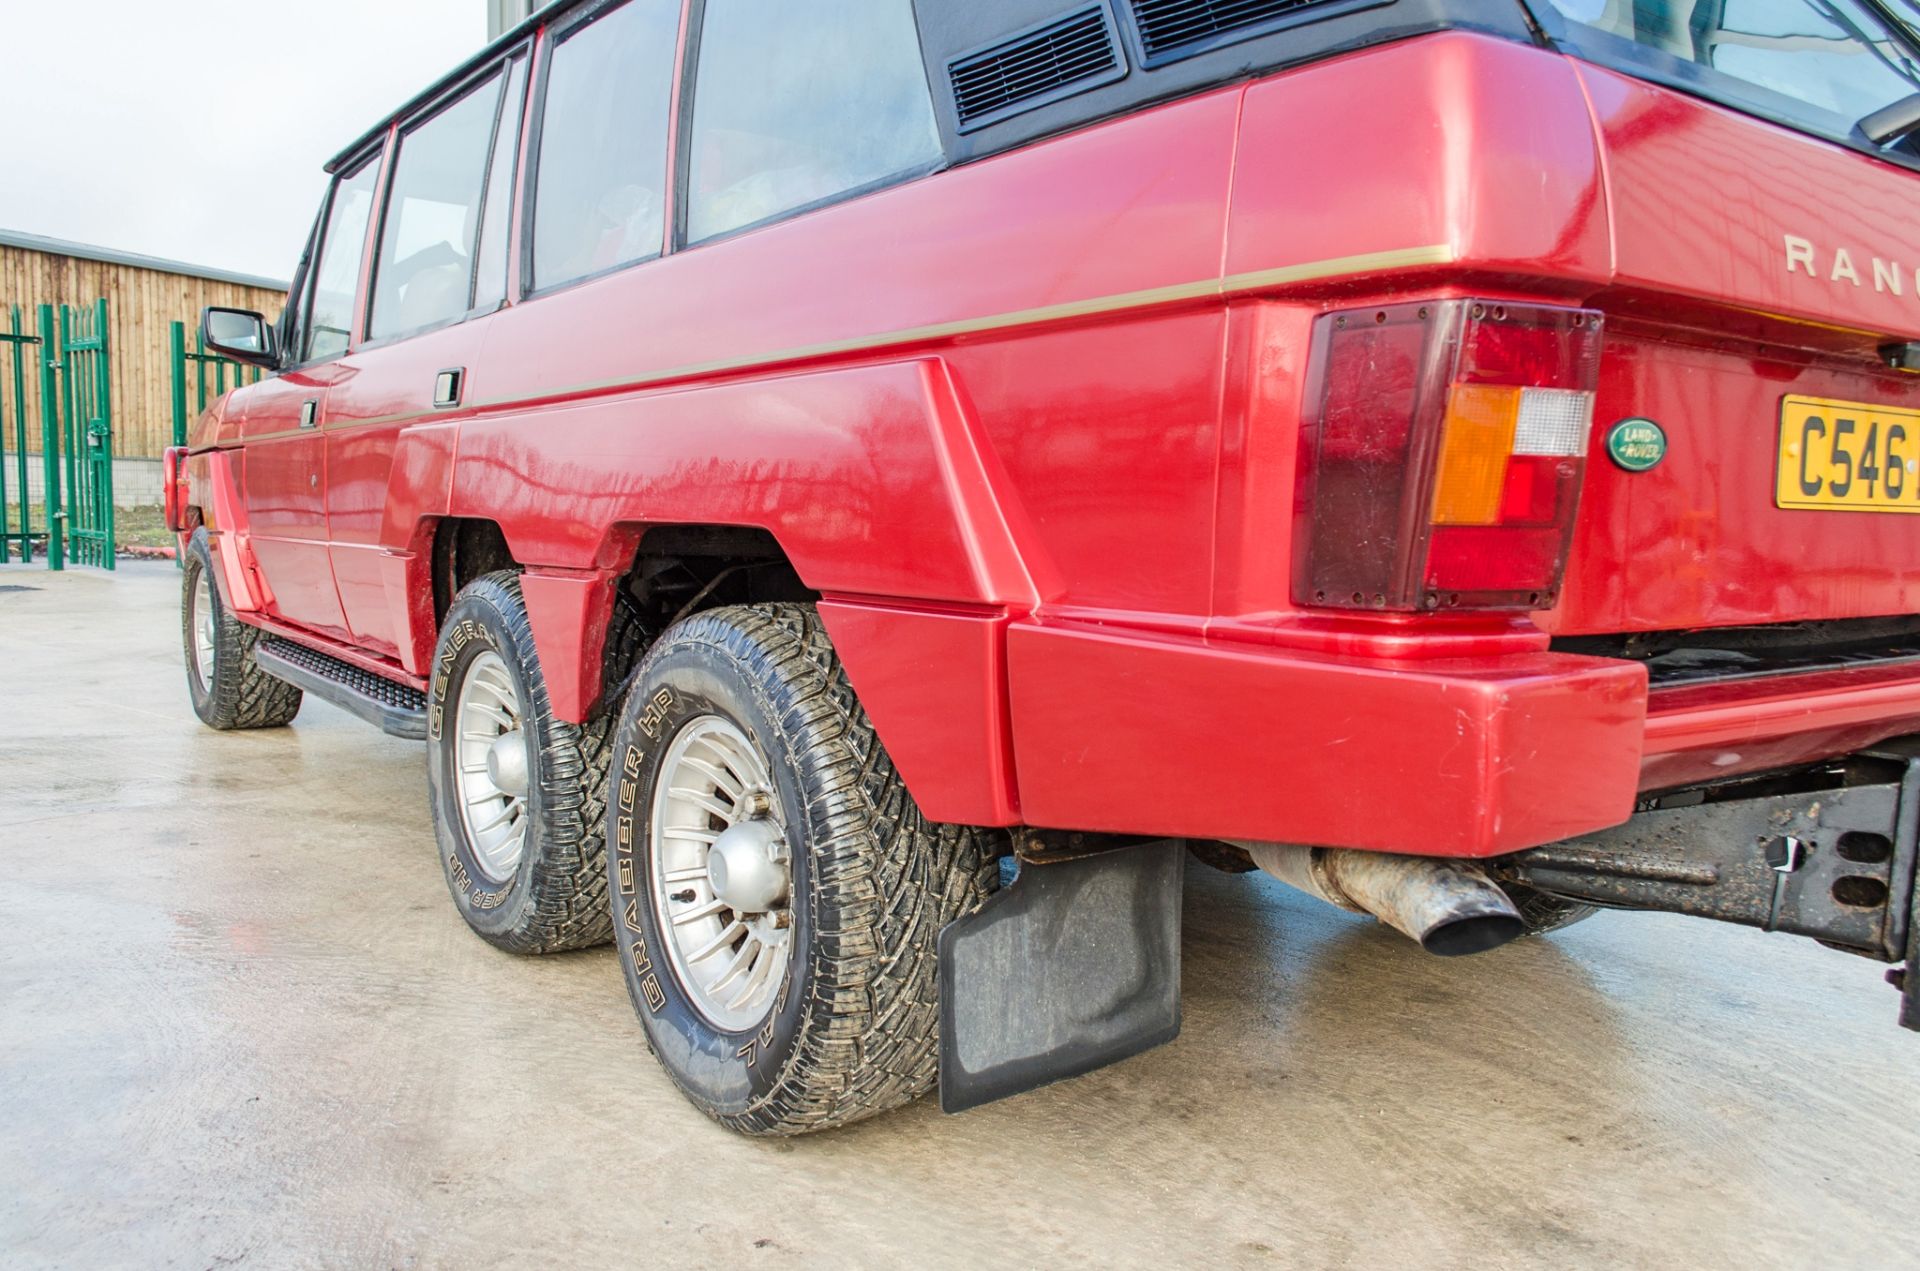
[1442,454]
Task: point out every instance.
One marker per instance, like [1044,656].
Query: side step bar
[394,708]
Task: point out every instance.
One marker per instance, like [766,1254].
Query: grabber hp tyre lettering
[778,895]
[227,689]
[517,795]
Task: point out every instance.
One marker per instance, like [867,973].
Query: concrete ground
[240,1024]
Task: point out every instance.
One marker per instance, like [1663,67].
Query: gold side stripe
[1152,297]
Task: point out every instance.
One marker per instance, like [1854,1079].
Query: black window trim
[565,27]
[499,69]
[375,153]
[683,156]
[1717,88]
[291,322]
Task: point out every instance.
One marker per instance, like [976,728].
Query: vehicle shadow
[1294,1010]
[1340,1092]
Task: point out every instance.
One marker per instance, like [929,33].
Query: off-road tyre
[853,1030]
[239,694]
[557,897]
[1544,912]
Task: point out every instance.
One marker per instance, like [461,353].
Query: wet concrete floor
[240,1025]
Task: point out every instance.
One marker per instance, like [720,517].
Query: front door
[284,455]
[283,475]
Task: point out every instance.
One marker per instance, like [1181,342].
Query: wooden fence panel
[141,303]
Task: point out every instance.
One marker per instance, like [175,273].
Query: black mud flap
[1072,967]
[1908,976]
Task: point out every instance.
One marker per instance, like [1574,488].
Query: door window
[336,274]
[599,194]
[796,104]
[423,276]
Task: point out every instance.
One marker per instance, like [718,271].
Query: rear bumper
[1146,733]
[1701,732]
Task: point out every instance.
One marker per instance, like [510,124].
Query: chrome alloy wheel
[721,873]
[493,766]
[201,624]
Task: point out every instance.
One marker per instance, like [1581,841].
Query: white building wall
[502,14]
[136,483]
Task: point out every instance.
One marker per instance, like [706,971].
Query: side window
[490,264]
[796,103]
[423,276]
[601,166]
[336,273]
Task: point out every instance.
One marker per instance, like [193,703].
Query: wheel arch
[932,679]
[870,490]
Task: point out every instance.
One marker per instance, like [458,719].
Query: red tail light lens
[1442,454]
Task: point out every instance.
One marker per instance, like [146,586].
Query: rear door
[1766,257]
[440,262]
[284,476]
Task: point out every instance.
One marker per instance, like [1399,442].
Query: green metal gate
[71,356]
[86,407]
[16,525]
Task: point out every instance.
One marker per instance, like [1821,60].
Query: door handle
[310,412]
[446,387]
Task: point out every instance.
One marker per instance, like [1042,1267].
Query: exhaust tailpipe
[1450,906]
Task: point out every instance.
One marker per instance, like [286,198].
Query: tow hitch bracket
[1836,864]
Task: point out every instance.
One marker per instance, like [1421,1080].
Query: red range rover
[851,495]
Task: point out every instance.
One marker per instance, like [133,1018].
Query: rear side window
[423,276]
[796,104]
[599,193]
[490,266]
[336,274]
[1823,64]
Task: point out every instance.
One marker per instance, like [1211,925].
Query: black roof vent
[1179,28]
[1030,68]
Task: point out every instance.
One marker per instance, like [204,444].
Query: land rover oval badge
[1637,444]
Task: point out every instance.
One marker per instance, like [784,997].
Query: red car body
[1030,427]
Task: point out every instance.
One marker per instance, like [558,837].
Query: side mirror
[241,335]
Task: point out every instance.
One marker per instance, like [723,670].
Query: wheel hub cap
[747,866]
[507,763]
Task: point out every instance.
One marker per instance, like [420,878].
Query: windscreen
[1819,65]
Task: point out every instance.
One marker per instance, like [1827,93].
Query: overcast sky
[196,129]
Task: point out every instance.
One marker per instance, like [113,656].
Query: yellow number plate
[1848,457]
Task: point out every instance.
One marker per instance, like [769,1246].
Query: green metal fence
[212,375]
[86,405]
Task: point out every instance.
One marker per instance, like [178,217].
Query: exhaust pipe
[1450,906]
